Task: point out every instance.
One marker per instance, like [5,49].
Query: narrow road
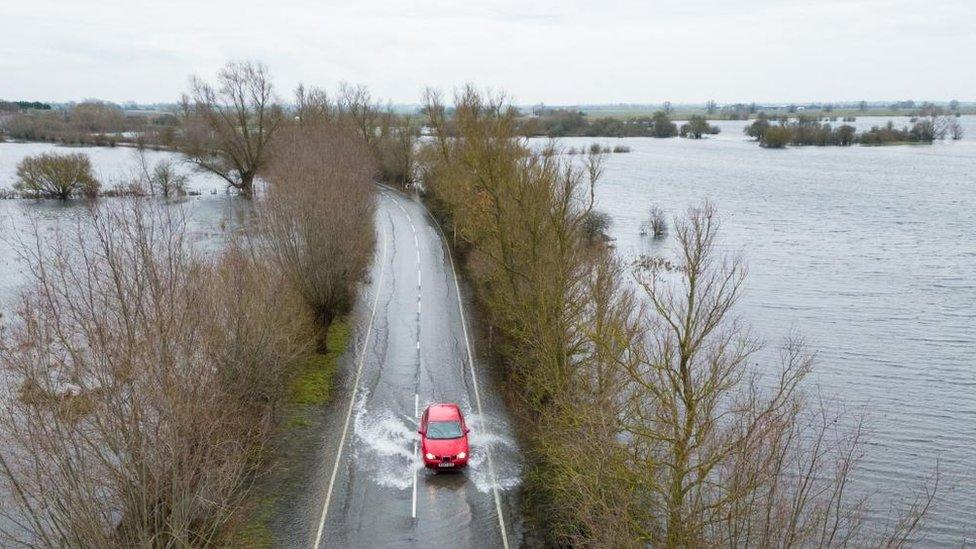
[413,348]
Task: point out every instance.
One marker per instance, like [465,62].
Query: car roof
[437,412]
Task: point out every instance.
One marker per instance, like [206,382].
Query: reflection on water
[868,252]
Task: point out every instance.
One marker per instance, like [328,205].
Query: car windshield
[443,429]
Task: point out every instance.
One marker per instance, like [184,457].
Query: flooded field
[868,252]
[210,213]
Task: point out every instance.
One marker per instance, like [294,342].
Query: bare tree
[161,178]
[313,104]
[594,163]
[317,217]
[229,126]
[138,383]
[356,103]
[657,223]
[728,454]
[955,129]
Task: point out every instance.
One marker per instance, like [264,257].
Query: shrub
[53,175]
[160,179]
[663,126]
[621,149]
[595,225]
[758,127]
[776,137]
[656,222]
[696,127]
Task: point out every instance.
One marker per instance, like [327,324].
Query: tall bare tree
[229,126]
[317,215]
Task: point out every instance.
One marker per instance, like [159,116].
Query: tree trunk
[247,184]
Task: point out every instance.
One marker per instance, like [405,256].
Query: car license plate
[445,465]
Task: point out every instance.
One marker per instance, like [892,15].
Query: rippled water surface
[209,215]
[870,253]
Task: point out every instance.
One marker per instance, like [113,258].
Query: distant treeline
[13,106]
[90,122]
[575,123]
[805,130]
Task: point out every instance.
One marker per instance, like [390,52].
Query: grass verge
[309,390]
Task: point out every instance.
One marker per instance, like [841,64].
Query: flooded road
[412,349]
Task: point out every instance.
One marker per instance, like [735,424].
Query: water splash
[384,449]
[384,446]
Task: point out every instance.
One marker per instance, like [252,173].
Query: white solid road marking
[352,397]
[416,396]
[416,453]
[413,507]
[474,382]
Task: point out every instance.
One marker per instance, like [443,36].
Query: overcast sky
[552,51]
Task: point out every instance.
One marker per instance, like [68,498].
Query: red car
[443,437]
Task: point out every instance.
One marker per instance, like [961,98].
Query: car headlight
[429,455]
[462,455]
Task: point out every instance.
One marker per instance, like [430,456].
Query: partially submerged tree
[161,178]
[696,127]
[228,128]
[53,175]
[663,126]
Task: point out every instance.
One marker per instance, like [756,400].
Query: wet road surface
[413,348]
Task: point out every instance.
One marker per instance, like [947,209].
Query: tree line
[649,417]
[806,130]
[575,123]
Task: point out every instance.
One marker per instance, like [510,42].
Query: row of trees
[142,377]
[92,122]
[568,123]
[650,416]
[811,131]
[16,106]
[228,127]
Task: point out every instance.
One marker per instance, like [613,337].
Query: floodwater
[210,215]
[870,254]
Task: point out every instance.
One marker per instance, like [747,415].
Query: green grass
[313,384]
[311,388]
[255,534]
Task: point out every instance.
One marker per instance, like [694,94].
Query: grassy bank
[309,391]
